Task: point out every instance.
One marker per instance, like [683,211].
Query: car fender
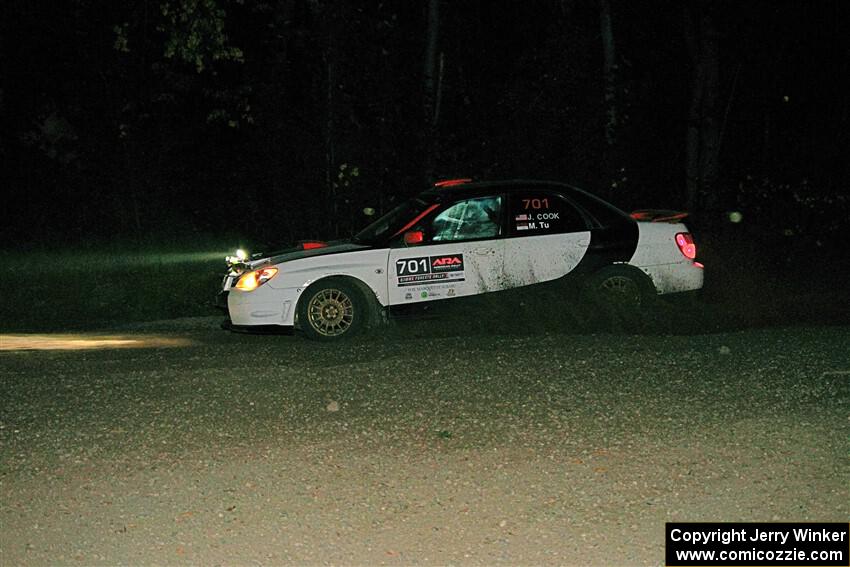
[659,257]
[366,267]
[375,306]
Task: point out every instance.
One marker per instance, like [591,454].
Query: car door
[547,237]
[461,253]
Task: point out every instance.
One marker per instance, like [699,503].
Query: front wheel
[331,310]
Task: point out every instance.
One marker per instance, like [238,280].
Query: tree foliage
[209,115]
[195,32]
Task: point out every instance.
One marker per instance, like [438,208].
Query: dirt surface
[176,442]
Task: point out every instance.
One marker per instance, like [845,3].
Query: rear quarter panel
[658,256]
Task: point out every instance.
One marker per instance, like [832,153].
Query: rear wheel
[619,296]
[620,289]
[331,310]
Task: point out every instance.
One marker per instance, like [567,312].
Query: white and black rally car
[462,239]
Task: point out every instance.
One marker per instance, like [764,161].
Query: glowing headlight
[239,256]
[253,280]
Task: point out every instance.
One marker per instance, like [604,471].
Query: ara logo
[449,263]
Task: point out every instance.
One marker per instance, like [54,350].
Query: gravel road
[176,442]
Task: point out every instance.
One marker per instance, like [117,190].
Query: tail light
[685,242]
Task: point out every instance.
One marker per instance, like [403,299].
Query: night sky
[155,120]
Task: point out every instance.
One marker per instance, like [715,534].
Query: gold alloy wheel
[621,289]
[330,312]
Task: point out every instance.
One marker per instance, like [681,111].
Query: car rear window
[604,214]
[542,212]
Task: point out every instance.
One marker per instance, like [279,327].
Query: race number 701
[535,203]
[409,266]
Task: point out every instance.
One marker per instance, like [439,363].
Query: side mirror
[414,237]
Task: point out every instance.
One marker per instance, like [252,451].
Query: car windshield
[388,225]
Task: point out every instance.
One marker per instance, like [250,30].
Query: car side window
[534,213]
[468,220]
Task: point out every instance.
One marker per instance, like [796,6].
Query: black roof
[475,187]
[462,189]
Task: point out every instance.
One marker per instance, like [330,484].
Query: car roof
[462,188]
[455,188]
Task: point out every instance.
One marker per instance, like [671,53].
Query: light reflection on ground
[82,341]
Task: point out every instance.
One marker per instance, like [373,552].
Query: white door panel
[536,259]
[439,271]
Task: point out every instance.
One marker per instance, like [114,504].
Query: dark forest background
[151,120]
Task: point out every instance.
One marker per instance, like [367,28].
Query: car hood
[296,253]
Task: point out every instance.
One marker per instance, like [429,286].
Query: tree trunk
[702,165]
[330,158]
[610,161]
[710,129]
[609,72]
[692,138]
[432,75]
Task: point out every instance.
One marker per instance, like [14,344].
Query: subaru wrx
[461,239]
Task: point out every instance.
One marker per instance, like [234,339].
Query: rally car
[461,239]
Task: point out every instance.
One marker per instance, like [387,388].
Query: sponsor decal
[423,295]
[450,263]
[450,292]
[408,295]
[447,268]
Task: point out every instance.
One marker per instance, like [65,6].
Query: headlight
[239,257]
[253,280]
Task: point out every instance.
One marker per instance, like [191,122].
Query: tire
[624,289]
[620,300]
[332,310]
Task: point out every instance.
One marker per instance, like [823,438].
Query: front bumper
[263,306]
[221,300]
[228,325]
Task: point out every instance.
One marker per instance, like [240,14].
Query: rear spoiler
[658,215]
